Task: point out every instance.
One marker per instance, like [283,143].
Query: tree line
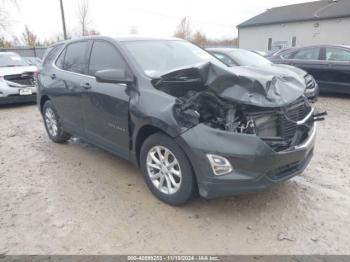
[85,28]
[184,31]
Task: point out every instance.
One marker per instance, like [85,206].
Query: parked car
[262,53]
[187,120]
[17,79]
[239,57]
[34,61]
[328,64]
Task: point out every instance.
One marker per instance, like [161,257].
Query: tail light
[36,75]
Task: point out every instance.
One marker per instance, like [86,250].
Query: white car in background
[17,79]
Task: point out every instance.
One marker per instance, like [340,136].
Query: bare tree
[184,29]
[83,16]
[4,43]
[199,39]
[4,19]
[93,32]
[29,37]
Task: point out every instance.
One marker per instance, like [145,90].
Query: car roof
[314,46]
[120,39]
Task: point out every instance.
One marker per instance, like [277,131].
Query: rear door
[337,77]
[106,106]
[66,89]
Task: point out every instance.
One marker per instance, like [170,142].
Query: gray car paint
[152,108]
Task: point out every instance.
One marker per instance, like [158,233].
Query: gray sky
[217,19]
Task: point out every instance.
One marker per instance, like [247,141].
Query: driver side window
[105,56]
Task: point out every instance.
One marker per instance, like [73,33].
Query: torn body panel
[247,101]
[243,85]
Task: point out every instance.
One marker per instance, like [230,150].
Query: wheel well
[142,135]
[42,102]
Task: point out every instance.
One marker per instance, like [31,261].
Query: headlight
[310,82]
[220,165]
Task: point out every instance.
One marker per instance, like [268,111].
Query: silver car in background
[17,79]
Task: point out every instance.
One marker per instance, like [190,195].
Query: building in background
[319,22]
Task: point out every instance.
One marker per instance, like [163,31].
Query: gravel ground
[78,199]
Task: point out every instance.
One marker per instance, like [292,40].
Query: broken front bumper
[255,164]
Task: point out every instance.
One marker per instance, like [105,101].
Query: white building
[312,23]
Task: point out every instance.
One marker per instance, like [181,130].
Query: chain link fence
[26,51]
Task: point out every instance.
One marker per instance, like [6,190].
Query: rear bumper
[255,165]
[14,99]
[11,95]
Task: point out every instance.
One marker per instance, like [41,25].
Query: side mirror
[115,76]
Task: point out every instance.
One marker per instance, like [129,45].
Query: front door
[106,106]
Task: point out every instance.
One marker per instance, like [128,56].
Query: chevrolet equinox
[192,124]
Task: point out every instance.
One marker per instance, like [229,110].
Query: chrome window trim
[62,70]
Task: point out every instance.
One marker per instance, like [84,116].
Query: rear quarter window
[51,53]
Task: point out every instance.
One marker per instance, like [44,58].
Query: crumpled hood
[273,86]
[286,69]
[14,70]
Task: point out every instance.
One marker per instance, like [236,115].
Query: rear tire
[53,124]
[167,171]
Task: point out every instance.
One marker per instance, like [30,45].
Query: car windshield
[11,60]
[247,58]
[161,56]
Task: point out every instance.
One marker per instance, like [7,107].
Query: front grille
[279,128]
[293,113]
[26,79]
[310,82]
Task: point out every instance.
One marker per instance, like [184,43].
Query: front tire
[167,171]
[53,125]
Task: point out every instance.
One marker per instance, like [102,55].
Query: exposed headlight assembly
[220,165]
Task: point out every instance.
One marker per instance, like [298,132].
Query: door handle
[53,76]
[85,85]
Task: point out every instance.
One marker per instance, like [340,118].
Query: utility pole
[63,21]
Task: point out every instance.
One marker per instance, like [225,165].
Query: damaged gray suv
[189,122]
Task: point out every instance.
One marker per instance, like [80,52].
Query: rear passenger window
[74,59]
[105,56]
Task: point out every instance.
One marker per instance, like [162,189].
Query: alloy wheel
[164,170]
[51,122]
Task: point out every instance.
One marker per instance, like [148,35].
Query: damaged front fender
[243,85]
